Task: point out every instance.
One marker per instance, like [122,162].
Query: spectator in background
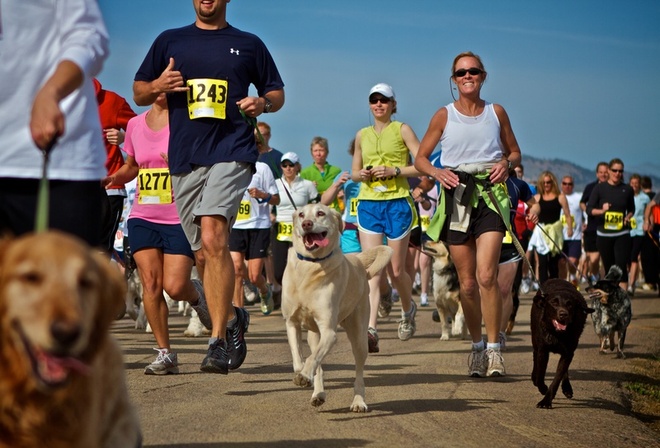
[613,204]
[320,171]
[547,238]
[572,243]
[268,155]
[636,229]
[650,255]
[114,113]
[50,53]
[589,232]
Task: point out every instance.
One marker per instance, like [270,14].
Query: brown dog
[62,379]
[323,288]
[557,320]
[446,290]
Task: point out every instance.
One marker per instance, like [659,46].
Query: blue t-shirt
[233,60]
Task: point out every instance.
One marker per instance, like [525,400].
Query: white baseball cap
[384,89]
[290,156]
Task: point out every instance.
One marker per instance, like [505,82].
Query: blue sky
[579,79]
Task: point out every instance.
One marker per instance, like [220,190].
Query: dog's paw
[444,337]
[546,403]
[195,327]
[318,400]
[567,389]
[359,405]
[542,388]
[302,381]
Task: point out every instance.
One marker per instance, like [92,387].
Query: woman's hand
[446,178]
[499,172]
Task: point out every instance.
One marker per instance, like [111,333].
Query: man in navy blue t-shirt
[206,70]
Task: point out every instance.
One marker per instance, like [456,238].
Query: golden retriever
[446,291]
[322,288]
[62,378]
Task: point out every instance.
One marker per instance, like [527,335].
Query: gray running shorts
[210,191]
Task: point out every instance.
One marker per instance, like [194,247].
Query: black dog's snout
[562,313]
[65,333]
[307,224]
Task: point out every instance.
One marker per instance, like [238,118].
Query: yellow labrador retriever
[62,377]
[323,288]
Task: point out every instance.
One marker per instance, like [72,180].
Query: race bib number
[353,207]
[284,231]
[563,221]
[383,185]
[155,186]
[207,98]
[613,220]
[424,221]
[633,223]
[508,239]
[244,211]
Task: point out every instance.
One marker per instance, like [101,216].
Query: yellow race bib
[353,209]
[244,211]
[563,220]
[613,220]
[155,186]
[424,222]
[508,239]
[207,98]
[284,231]
[382,185]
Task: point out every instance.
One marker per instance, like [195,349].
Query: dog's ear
[337,217]
[539,299]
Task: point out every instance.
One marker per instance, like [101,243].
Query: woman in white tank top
[477,141]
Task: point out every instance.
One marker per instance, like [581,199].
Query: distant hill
[582,176]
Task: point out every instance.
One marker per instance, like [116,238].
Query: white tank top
[470,139]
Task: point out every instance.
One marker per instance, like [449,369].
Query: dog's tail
[375,259]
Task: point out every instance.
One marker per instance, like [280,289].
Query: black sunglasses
[567,183]
[287,165]
[383,100]
[462,72]
[616,171]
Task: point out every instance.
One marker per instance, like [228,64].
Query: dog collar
[313,260]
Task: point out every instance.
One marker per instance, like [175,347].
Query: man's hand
[171,80]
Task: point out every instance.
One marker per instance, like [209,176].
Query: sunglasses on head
[287,165]
[474,71]
[375,100]
[616,171]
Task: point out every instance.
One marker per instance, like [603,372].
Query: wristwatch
[510,165]
[267,105]
[397,171]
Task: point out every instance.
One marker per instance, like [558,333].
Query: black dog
[558,315]
[613,310]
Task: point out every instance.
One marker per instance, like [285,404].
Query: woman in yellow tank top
[381,162]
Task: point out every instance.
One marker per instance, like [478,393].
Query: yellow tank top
[387,149]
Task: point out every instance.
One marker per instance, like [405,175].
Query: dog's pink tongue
[558,326]
[56,369]
[318,238]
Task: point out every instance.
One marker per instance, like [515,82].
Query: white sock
[478,346]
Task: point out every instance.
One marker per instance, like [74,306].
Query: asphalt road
[418,392]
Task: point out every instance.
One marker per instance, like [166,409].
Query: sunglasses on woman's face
[616,171]
[474,71]
[383,100]
[287,165]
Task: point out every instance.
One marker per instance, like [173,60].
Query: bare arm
[567,214]
[47,120]
[171,80]
[254,106]
[511,149]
